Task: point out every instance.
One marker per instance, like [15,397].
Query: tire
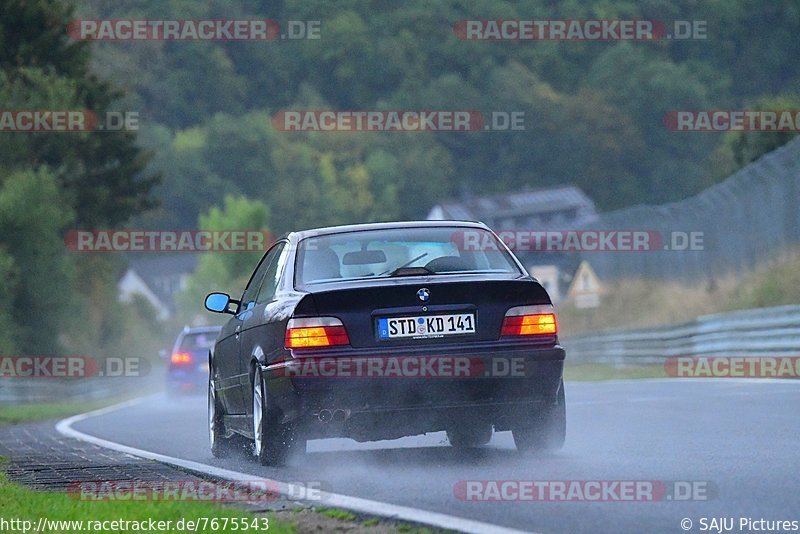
[546,430]
[465,437]
[221,446]
[272,441]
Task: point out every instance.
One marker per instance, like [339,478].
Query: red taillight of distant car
[315,332]
[180,358]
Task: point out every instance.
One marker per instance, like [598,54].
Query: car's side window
[251,292]
[272,277]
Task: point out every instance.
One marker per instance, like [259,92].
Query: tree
[101,173]
[35,260]
[594,111]
[52,181]
[740,148]
[224,271]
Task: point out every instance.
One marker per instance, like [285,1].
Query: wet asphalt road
[740,438]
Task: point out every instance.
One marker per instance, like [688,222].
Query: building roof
[163,274]
[555,207]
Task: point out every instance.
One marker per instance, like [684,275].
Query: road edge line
[355,504]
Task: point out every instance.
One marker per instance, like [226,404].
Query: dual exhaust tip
[336,416]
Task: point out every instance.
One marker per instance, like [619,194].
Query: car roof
[200,329]
[316,232]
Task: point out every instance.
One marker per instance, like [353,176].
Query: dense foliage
[50,182]
[593,116]
[594,110]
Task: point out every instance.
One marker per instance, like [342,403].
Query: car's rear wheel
[544,430]
[273,440]
[221,446]
[473,435]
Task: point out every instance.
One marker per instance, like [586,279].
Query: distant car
[187,369]
[327,307]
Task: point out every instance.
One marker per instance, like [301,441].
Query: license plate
[427,326]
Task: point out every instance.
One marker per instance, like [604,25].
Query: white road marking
[356,504]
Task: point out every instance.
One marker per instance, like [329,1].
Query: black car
[379,331]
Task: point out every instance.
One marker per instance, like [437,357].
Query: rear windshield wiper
[406,264]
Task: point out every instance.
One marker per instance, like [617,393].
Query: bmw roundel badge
[424,294]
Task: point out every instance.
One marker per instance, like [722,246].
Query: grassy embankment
[647,303]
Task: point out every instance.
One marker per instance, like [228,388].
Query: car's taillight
[180,358]
[315,332]
[530,321]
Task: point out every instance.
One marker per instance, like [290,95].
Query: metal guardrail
[34,390]
[54,390]
[757,332]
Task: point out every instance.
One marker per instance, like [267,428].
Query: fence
[760,332]
[55,390]
[745,219]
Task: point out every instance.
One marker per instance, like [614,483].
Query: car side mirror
[220,303]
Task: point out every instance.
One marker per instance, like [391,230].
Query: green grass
[350,517]
[775,283]
[596,371]
[20,413]
[21,503]
[24,504]
[336,513]
[403,527]
[646,303]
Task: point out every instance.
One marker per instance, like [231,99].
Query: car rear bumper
[194,379]
[495,384]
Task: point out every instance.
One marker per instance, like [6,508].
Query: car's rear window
[407,252]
